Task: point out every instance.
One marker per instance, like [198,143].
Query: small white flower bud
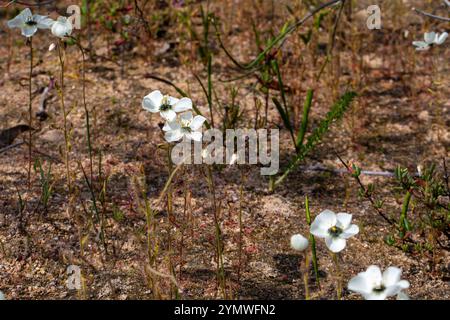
[299,242]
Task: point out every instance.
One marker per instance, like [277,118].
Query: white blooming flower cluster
[29,24]
[177,126]
[371,284]
[430,39]
[334,228]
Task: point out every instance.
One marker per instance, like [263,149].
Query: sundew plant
[235,150]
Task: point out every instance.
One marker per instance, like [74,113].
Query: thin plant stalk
[170,214]
[30,115]
[219,246]
[210,87]
[95,209]
[338,275]
[86,111]
[151,235]
[241,231]
[183,230]
[312,240]
[66,132]
[306,276]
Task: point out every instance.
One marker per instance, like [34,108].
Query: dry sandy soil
[401,117]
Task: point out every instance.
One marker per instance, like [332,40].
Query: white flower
[187,126]
[299,242]
[431,38]
[373,285]
[167,106]
[440,38]
[51,47]
[62,27]
[335,228]
[29,23]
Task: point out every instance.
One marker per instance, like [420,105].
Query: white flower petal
[326,218]
[421,45]
[195,135]
[29,31]
[20,19]
[43,22]
[169,115]
[343,220]
[152,101]
[173,101]
[187,117]
[430,37]
[403,284]
[391,276]
[299,242]
[441,38]
[318,230]
[392,290]
[166,127]
[373,273]
[197,123]
[169,126]
[352,230]
[182,105]
[149,106]
[360,284]
[174,135]
[335,244]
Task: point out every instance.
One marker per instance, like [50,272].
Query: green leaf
[283,114]
[337,112]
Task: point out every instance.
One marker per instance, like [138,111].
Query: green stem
[312,240]
[30,115]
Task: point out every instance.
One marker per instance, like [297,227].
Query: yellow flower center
[335,231]
[165,103]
